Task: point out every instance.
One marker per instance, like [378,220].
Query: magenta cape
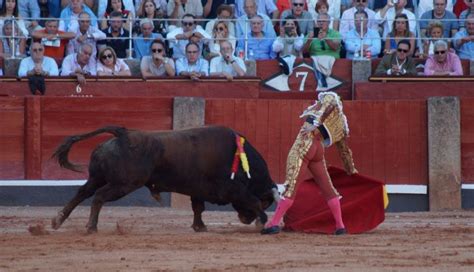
[362,205]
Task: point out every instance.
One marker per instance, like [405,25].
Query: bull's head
[247,216]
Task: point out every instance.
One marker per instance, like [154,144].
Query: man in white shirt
[85,34]
[227,65]
[388,13]
[189,32]
[37,64]
[80,64]
[347,18]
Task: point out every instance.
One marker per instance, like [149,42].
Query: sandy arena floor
[160,239]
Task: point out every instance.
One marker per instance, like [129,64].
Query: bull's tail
[61,153]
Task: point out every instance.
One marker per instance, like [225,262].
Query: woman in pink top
[110,65]
[443,62]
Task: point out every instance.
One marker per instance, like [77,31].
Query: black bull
[195,162]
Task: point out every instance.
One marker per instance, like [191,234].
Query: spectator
[449,20]
[291,40]
[380,4]
[464,40]
[211,8]
[327,41]
[143,41]
[259,44]
[105,7]
[157,64]
[70,15]
[53,7]
[189,32]
[38,64]
[400,31]
[178,8]
[6,48]
[80,64]
[227,65]
[435,32]
[444,62]
[466,13]
[304,18]
[331,7]
[386,16]
[428,5]
[149,9]
[53,40]
[266,7]
[362,38]
[219,35]
[224,14]
[460,6]
[117,37]
[399,63]
[115,6]
[347,18]
[242,26]
[30,10]
[8,12]
[192,66]
[161,7]
[110,65]
[86,33]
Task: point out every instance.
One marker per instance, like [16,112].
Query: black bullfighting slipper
[271,230]
[340,232]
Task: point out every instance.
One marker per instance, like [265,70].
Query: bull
[195,162]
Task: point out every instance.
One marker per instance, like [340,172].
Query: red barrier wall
[467,140]
[12,138]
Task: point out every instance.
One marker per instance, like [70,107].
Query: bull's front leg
[198,208]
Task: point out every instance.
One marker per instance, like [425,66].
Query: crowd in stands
[196,38]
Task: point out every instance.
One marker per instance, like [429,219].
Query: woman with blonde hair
[434,32]
[220,33]
[110,65]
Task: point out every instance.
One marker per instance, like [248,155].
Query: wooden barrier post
[187,112]
[444,153]
[361,71]
[32,137]
[471,68]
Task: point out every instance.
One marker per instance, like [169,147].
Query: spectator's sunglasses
[188,23]
[220,29]
[441,52]
[108,56]
[37,49]
[159,50]
[298,4]
[402,50]
[361,1]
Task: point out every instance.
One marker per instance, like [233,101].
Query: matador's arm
[346,156]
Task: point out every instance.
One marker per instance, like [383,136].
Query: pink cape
[362,205]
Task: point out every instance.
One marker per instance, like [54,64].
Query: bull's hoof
[271,230]
[91,230]
[199,228]
[57,222]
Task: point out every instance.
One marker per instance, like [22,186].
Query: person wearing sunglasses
[400,31]
[190,31]
[37,64]
[224,14]
[399,63]
[157,64]
[444,62]
[110,65]
[291,40]
[220,34]
[304,18]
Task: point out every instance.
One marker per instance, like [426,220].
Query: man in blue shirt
[362,38]
[464,40]
[259,44]
[70,14]
[143,41]
[242,25]
[193,65]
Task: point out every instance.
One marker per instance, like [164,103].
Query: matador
[325,124]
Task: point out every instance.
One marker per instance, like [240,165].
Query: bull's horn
[276,195]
